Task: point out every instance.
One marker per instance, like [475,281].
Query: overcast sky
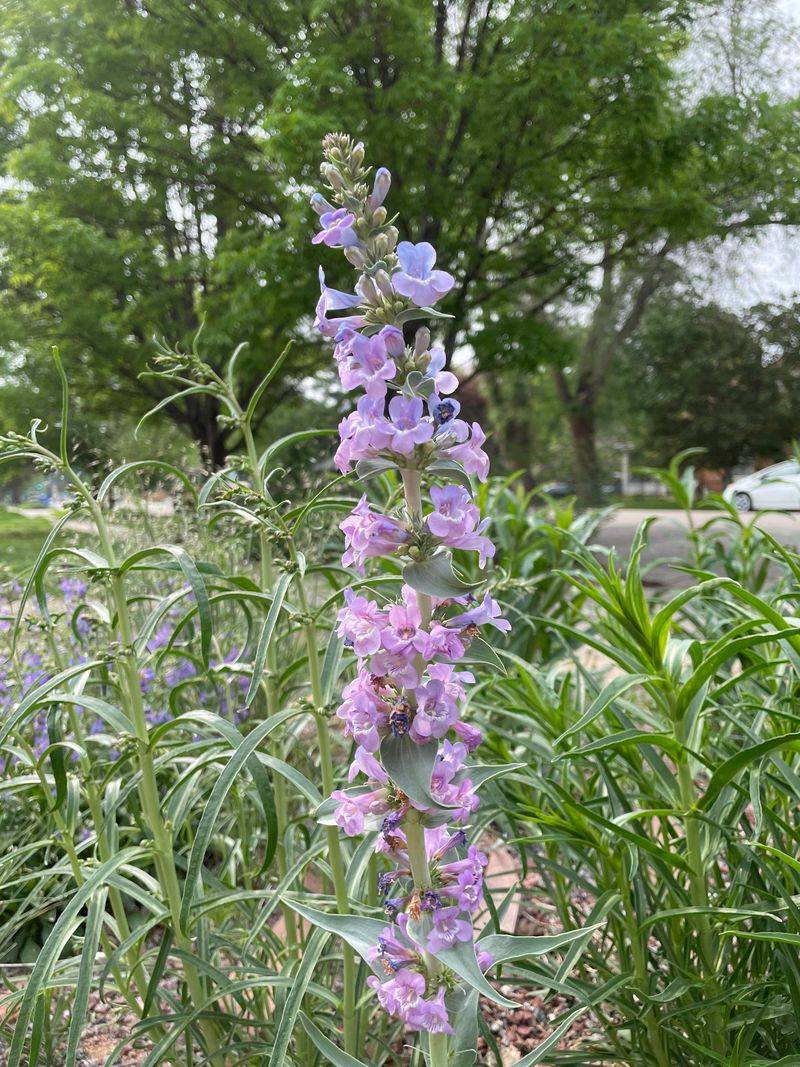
[742,274]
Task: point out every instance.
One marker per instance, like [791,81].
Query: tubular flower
[404,708]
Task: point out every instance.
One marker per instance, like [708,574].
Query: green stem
[77,873]
[137,969]
[335,857]
[438,1044]
[331,832]
[267,574]
[639,960]
[698,892]
[164,859]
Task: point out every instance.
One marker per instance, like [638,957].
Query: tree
[707,381]
[160,155]
[139,199]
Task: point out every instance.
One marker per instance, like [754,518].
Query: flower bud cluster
[409,688]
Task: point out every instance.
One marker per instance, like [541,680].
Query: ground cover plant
[191,708]
[20,539]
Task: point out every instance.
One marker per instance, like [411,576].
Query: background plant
[155,161]
[661,742]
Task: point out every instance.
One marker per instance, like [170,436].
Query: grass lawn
[20,540]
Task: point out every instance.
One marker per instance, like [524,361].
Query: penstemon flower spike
[403,709]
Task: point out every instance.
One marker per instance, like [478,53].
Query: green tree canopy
[703,376]
[159,156]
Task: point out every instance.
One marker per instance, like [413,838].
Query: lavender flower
[407,427]
[447,930]
[337,229]
[416,278]
[406,685]
[368,534]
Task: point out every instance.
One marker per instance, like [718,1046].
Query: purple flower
[396,666]
[380,188]
[334,300]
[436,712]
[443,410]
[365,763]
[363,712]
[416,277]
[391,952]
[472,736]
[337,229]
[320,204]
[364,363]
[463,879]
[364,433]
[470,454]
[406,681]
[447,930]
[368,534]
[400,994]
[353,810]
[360,624]
[392,337]
[430,1015]
[444,380]
[455,521]
[403,635]
[408,428]
[485,959]
[455,515]
[487,613]
[445,642]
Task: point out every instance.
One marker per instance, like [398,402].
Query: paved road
[668,536]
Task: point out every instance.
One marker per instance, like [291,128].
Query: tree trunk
[579,410]
[201,417]
[214,447]
[587,468]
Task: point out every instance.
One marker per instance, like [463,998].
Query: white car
[775,488]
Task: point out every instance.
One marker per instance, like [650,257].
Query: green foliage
[158,157]
[711,382]
[662,777]
[20,540]
[164,722]
[161,800]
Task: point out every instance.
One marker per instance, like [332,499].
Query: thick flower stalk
[410,776]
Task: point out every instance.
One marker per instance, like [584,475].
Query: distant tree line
[157,156]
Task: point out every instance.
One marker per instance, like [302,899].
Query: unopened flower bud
[320,204]
[380,187]
[332,176]
[414,552]
[379,216]
[367,288]
[422,340]
[357,155]
[391,234]
[384,283]
[355,255]
[393,339]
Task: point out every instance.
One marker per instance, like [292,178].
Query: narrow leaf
[331,1053]
[551,1041]
[728,770]
[80,998]
[264,638]
[312,951]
